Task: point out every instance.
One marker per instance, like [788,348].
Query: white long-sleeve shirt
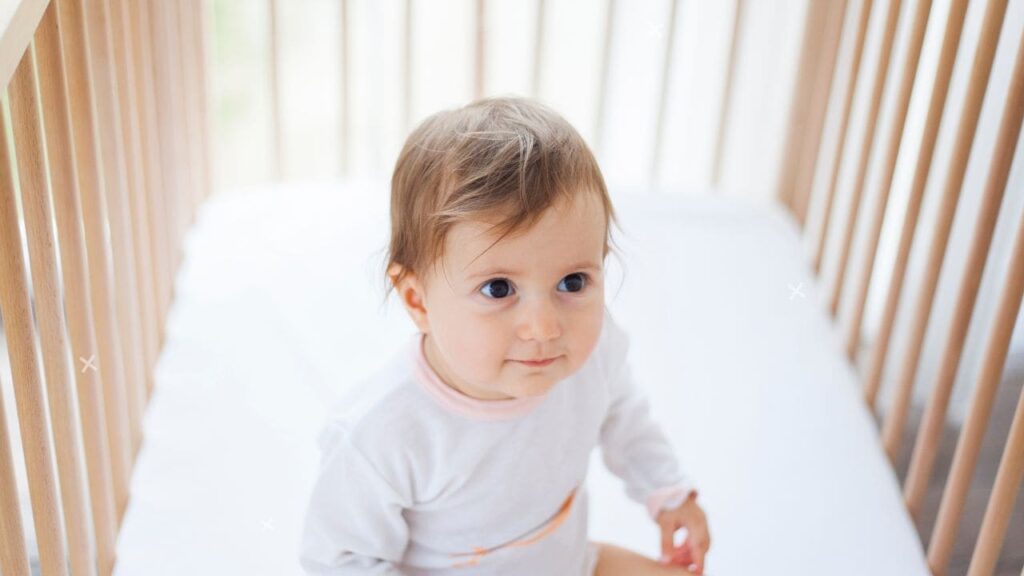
[418,478]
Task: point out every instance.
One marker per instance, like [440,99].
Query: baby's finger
[698,558]
[682,557]
[667,545]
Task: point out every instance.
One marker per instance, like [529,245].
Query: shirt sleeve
[354,523]
[633,445]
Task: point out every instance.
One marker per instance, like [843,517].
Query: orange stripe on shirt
[531,538]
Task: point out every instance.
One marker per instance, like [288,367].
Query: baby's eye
[575,282]
[497,288]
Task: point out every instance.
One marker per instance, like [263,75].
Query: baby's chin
[532,386]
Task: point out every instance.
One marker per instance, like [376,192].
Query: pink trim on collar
[460,403]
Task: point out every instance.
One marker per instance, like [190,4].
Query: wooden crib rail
[479,76]
[108,165]
[795,190]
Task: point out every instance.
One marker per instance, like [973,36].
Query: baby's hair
[504,158]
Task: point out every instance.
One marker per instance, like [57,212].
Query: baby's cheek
[587,344]
[493,366]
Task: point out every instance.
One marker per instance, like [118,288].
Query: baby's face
[535,295]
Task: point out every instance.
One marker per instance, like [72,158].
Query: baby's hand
[691,553]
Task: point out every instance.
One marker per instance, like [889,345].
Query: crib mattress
[279,309]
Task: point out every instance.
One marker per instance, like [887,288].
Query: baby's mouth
[537,363]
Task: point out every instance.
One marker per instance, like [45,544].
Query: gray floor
[1011,558]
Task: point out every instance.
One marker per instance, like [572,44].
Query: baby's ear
[410,292]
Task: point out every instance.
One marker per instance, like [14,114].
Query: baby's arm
[354,523]
[633,445]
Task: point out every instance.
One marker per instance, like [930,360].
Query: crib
[840,370]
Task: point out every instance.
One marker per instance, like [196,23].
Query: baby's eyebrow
[586,265]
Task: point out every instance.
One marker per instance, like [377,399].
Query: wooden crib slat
[479,48]
[895,419]
[182,127]
[1011,465]
[49,312]
[665,81]
[864,154]
[112,152]
[102,289]
[13,547]
[162,18]
[275,90]
[538,49]
[182,50]
[931,426]
[187,132]
[149,183]
[163,88]
[730,79]
[895,138]
[68,212]
[29,396]
[345,59]
[973,429]
[1004,493]
[844,124]
[136,202]
[407,66]
[154,168]
[936,105]
[817,112]
[186,61]
[1008,479]
[149,187]
[200,32]
[602,83]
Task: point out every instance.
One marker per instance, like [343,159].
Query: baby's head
[500,224]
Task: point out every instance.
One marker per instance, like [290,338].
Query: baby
[468,452]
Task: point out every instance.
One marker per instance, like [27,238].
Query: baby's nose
[540,321]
